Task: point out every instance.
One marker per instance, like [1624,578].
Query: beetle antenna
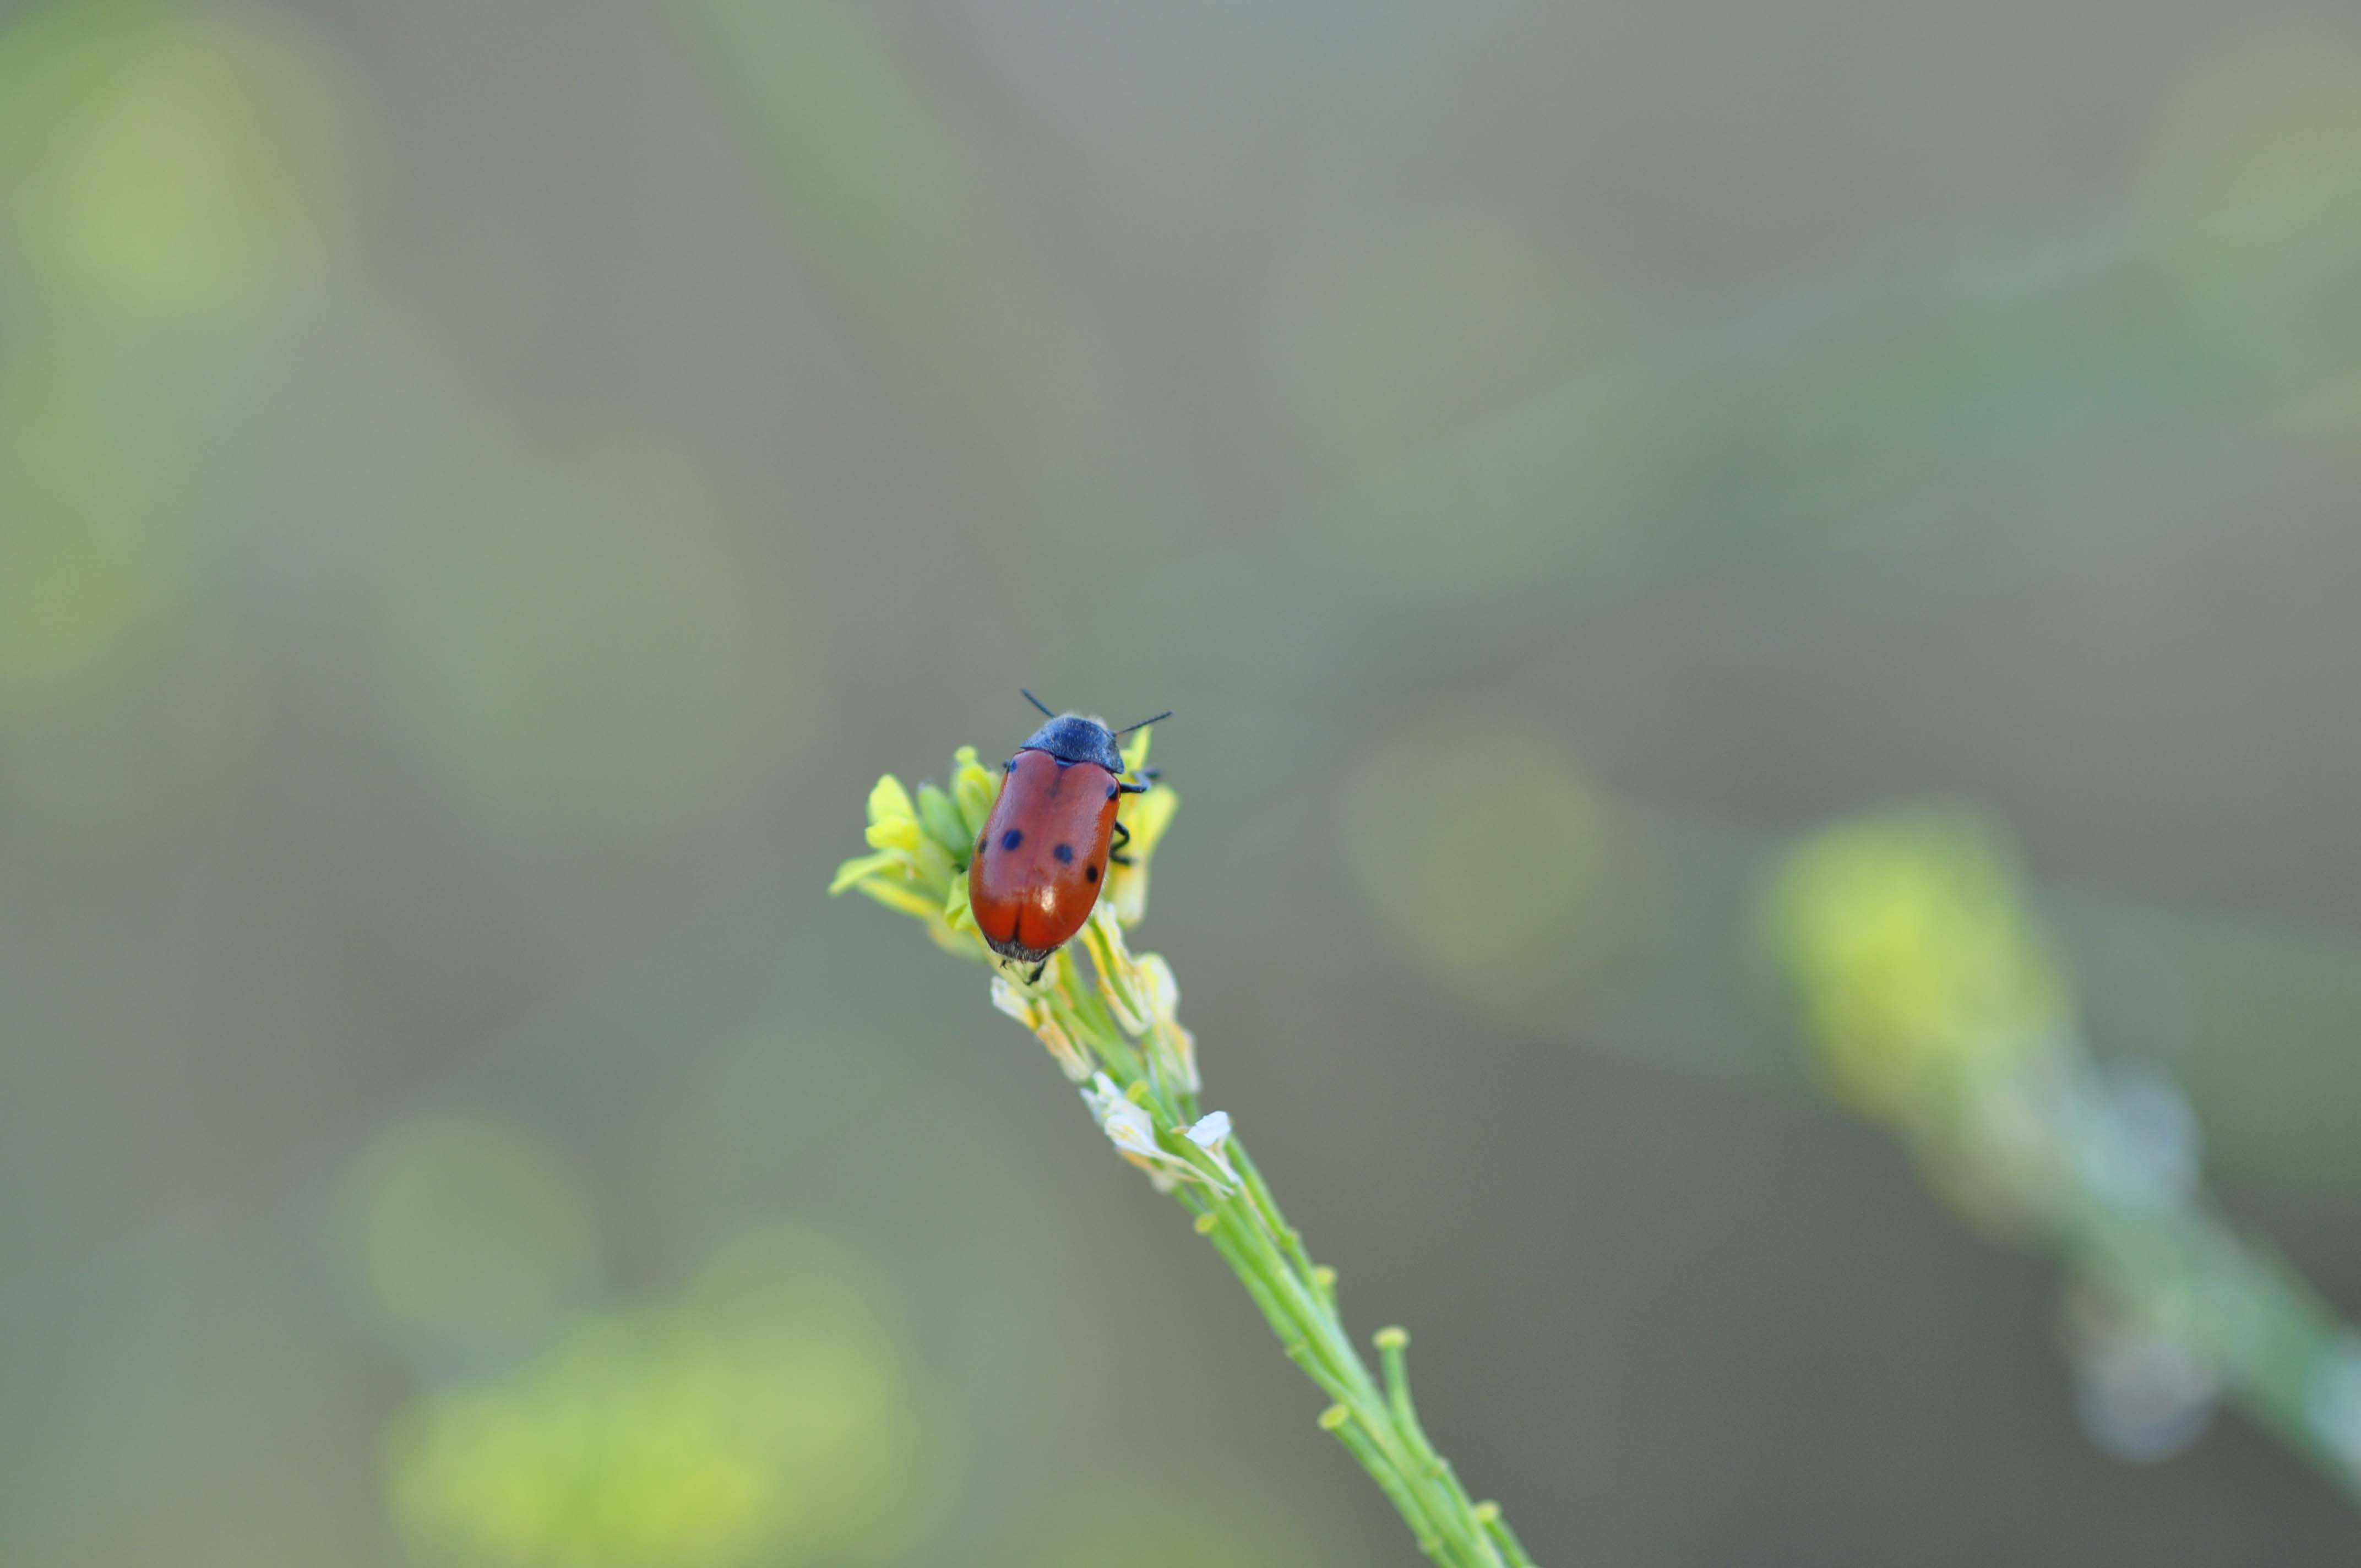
[1146,722]
[1037,702]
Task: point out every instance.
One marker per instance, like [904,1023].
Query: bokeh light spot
[1912,957]
[82,566]
[767,1418]
[471,1231]
[120,702]
[1481,854]
[2273,122]
[196,163]
[583,657]
[2257,175]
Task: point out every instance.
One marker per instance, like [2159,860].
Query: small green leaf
[899,895]
[861,866]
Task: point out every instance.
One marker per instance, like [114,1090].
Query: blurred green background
[484,490]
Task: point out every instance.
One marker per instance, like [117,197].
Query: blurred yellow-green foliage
[1912,960]
[1923,982]
[1483,856]
[768,1417]
[484,489]
[472,1231]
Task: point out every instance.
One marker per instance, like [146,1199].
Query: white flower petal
[1210,1130]
[1132,1131]
[1098,1094]
[1211,1133]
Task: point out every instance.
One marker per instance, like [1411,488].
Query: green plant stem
[1113,1025]
[1375,1424]
[2253,1319]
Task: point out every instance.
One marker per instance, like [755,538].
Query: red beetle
[1044,849]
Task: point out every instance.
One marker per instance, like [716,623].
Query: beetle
[1044,852]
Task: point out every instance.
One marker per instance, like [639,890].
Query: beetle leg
[1035,978]
[1116,854]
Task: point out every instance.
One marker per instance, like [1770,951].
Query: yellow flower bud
[974,787]
[897,833]
[892,823]
[889,802]
[1147,816]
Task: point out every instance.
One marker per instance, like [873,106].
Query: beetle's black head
[1070,738]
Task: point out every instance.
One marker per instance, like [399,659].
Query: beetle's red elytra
[1042,857]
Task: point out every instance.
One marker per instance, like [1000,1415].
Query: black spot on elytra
[1011,838]
[1093,873]
[1065,853]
